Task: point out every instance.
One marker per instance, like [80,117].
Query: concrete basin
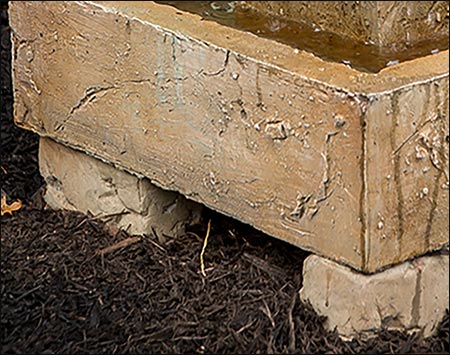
[350,165]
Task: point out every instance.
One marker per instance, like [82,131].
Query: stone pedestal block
[413,295]
[78,182]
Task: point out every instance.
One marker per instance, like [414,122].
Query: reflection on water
[220,11]
[361,56]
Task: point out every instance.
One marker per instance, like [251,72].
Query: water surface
[362,56]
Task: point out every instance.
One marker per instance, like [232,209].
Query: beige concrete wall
[384,23]
[407,175]
[348,19]
[274,138]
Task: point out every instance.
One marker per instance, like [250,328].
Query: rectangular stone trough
[352,166]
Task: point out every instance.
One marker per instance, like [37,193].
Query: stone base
[78,182]
[411,296]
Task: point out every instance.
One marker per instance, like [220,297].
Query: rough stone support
[413,295]
[78,182]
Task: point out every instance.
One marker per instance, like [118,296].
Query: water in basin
[362,56]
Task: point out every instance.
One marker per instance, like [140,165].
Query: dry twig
[205,243]
[122,244]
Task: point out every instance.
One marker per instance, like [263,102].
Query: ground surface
[63,292]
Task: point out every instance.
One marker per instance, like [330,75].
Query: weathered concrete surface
[282,140]
[386,24]
[407,171]
[78,182]
[413,295]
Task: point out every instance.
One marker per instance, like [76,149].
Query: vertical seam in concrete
[415,307]
[397,180]
[435,193]
[434,199]
[160,77]
[363,200]
[258,87]
[177,71]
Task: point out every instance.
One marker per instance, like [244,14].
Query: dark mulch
[59,294]
[19,172]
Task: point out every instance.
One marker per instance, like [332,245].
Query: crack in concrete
[436,150]
[27,71]
[224,67]
[31,82]
[259,102]
[324,189]
[327,179]
[177,72]
[130,209]
[412,135]
[363,197]
[415,307]
[303,206]
[20,43]
[55,184]
[287,223]
[90,95]
[435,193]
[397,178]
